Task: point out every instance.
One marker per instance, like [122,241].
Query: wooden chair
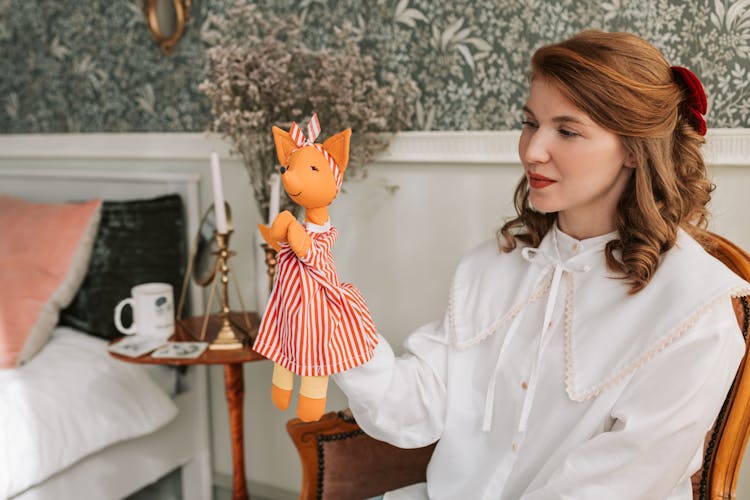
[340,462]
[725,443]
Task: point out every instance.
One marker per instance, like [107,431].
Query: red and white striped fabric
[313,324]
[313,130]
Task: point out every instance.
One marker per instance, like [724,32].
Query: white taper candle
[219,210]
[273,201]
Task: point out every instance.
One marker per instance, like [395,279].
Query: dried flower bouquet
[261,72]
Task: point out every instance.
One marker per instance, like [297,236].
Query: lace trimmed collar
[637,326]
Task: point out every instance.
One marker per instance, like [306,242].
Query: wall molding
[725,147]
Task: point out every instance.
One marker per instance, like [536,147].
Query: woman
[585,353]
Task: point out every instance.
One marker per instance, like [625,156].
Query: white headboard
[54,185]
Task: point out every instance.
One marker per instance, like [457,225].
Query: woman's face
[573,166]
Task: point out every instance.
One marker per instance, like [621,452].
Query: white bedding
[164,376]
[71,400]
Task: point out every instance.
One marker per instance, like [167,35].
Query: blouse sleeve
[660,420]
[401,400]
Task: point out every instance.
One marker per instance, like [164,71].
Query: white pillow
[70,400]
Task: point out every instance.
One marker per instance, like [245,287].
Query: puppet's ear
[284,145]
[338,147]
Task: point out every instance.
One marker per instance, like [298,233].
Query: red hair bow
[696,104]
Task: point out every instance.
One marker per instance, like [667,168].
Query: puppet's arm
[298,239]
[286,229]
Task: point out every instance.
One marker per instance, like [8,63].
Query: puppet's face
[308,179]
[573,165]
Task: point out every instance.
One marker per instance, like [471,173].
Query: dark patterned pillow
[138,241]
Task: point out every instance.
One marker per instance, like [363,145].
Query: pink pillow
[44,254]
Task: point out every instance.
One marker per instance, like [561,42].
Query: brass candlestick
[271,261]
[208,264]
[227,337]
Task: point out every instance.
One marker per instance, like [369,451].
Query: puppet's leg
[312,398]
[281,388]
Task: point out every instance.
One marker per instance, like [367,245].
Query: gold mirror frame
[205,241]
[182,14]
[204,245]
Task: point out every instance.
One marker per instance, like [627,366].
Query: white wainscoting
[427,200]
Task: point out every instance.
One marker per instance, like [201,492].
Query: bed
[117,462]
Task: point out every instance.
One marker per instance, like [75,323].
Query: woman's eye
[528,124]
[314,167]
[566,133]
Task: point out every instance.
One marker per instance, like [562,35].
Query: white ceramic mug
[153,311]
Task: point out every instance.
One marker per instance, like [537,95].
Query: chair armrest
[340,461]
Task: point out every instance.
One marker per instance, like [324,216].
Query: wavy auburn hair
[625,85]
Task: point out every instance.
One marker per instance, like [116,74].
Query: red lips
[538,181]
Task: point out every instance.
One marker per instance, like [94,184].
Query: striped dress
[313,324]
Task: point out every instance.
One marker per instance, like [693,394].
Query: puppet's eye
[314,167]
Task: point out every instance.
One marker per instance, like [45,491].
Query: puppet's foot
[312,398]
[281,397]
[310,409]
[282,383]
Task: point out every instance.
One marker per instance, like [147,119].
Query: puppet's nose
[283,169]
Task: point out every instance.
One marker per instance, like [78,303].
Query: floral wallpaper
[91,66]
[83,66]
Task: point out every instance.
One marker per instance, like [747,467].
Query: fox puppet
[313,325]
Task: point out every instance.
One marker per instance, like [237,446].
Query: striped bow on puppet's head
[312,173]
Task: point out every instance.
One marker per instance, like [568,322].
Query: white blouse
[546,379]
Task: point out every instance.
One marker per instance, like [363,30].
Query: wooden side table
[233,381]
